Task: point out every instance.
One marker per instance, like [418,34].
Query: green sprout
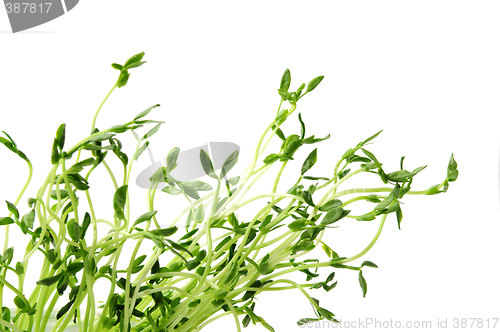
[220,262]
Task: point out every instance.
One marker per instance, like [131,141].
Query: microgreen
[221,261]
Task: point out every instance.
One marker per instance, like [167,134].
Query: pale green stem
[362,253]
[100,106]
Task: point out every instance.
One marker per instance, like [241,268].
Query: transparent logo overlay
[26,14]
[188,163]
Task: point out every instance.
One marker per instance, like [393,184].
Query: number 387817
[27,7]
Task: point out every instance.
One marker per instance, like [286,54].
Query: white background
[426,72]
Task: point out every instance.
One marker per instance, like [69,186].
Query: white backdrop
[426,72]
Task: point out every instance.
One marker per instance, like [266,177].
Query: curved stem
[30,166]
[100,106]
[380,227]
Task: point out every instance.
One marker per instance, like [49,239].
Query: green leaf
[198,185]
[8,144]
[399,215]
[133,59]
[201,255]
[311,159]
[55,156]
[62,192]
[332,216]
[327,287]
[146,112]
[306,195]
[19,268]
[371,138]
[120,198]
[229,163]
[399,176]
[281,116]
[85,225]
[433,190]
[370,166]
[222,243]
[373,198]
[179,247]
[391,208]
[344,173]
[194,303]
[285,81]
[246,321]
[234,180]
[78,167]
[8,255]
[279,132]
[291,145]
[171,190]
[298,224]
[302,127]
[367,216]
[314,178]
[6,221]
[330,205]
[19,302]
[358,159]
[349,153]
[299,90]
[329,252]
[188,191]
[172,159]
[388,200]
[452,172]
[29,219]
[95,147]
[50,280]
[232,274]
[61,136]
[152,131]
[362,283]
[144,217]
[271,158]
[368,263]
[138,261]
[198,214]
[75,267]
[78,181]
[10,140]
[165,231]
[207,165]
[74,230]
[141,150]
[369,155]
[65,309]
[13,209]
[314,83]
[134,65]
[122,79]
[305,321]
[116,66]
[188,235]
[101,137]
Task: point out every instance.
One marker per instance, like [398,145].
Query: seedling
[215,265]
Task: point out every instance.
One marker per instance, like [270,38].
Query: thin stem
[362,253]
[233,311]
[100,106]
[30,166]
